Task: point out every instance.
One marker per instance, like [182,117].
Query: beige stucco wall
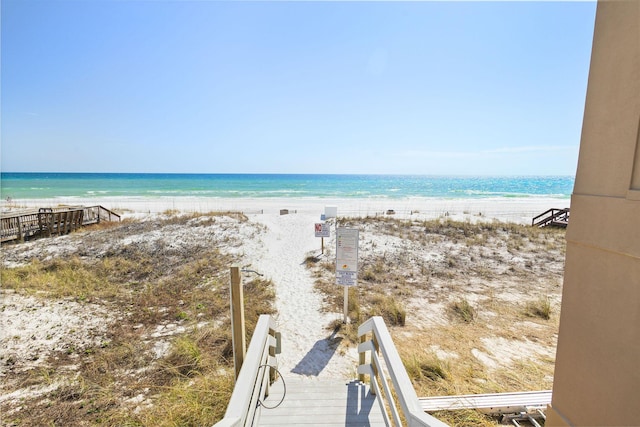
[597,377]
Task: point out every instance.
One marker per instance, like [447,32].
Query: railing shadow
[318,357]
[359,403]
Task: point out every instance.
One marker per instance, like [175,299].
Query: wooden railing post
[20,235]
[237,320]
[362,357]
[272,371]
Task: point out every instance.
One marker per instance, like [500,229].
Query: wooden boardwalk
[51,221]
[321,403]
[306,401]
[494,403]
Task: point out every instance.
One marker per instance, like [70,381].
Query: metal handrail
[252,385]
[381,343]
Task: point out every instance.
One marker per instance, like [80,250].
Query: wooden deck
[321,403]
[49,222]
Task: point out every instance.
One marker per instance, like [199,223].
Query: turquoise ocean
[18,186]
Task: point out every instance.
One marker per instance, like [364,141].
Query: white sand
[519,210]
[308,349]
[30,329]
[279,253]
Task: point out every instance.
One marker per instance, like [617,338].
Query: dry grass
[413,273]
[148,286]
[539,308]
[426,367]
[469,324]
[465,418]
[462,310]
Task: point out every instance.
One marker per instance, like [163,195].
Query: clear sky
[489,88]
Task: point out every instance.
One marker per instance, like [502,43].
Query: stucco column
[597,374]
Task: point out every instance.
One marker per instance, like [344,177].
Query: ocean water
[97,185]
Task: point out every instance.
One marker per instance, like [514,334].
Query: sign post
[346,262]
[322,230]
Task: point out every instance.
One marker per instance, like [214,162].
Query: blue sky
[482,88]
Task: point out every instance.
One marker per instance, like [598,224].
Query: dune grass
[462,310]
[486,333]
[122,381]
[539,308]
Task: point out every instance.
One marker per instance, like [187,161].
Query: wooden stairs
[552,217]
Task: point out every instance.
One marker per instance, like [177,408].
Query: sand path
[308,349]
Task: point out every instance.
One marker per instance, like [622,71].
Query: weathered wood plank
[50,221]
[494,403]
[321,403]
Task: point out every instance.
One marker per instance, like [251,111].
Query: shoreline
[519,210]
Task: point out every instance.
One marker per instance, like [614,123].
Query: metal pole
[237,320]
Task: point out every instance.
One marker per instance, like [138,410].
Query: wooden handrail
[51,221]
[551,216]
[381,343]
[254,379]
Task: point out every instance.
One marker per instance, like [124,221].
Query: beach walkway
[333,403]
[296,373]
[320,403]
[51,221]
[262,398]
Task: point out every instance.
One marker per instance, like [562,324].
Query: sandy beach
[519,210]
[276,246]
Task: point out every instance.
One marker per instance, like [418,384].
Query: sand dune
[276,246]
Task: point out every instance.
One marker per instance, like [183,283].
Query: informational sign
[322,230]
[346,278]
[346,256]
[330,212]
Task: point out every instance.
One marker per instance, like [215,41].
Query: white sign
[323,230]
[346,278]
[346,256]
[330,212]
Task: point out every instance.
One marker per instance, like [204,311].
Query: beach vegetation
[465,418]
[424,366]
[171,212]
[198,219]
[389,308]
[166,358]
[540,307]
[311,260]
[466,295]
[462,310]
